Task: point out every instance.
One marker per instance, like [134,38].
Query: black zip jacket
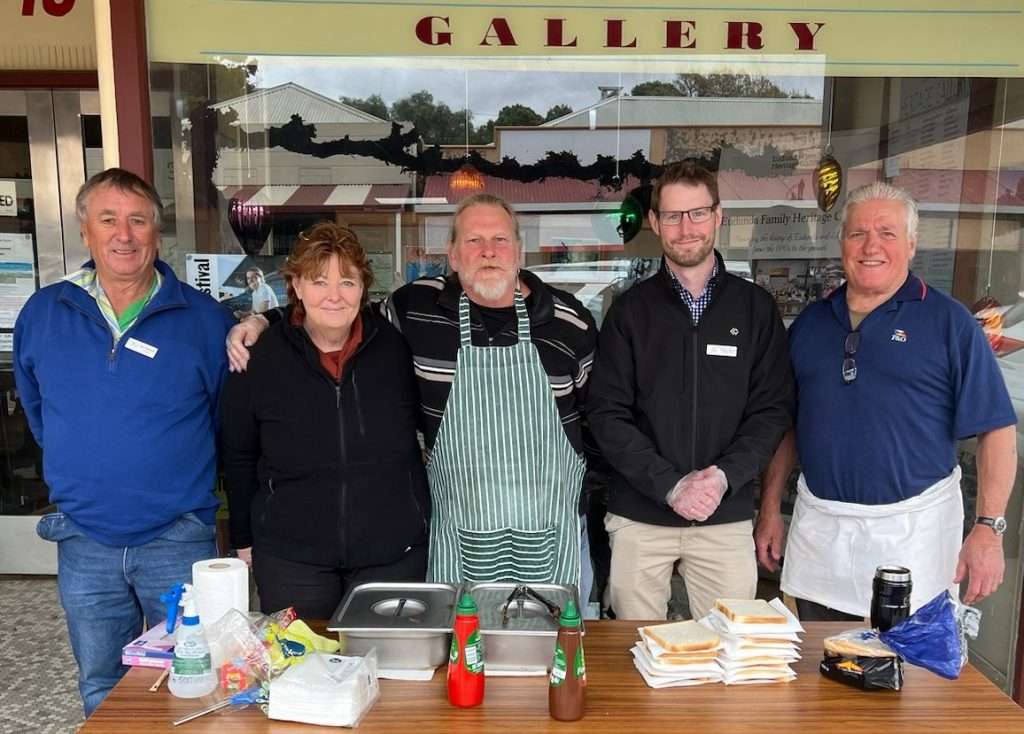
[324,472]
[668,397]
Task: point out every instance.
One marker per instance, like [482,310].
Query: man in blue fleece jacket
[119,367]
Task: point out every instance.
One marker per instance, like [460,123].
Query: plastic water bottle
[192,673]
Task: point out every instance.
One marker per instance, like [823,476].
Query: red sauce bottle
[466,660]
[568,681]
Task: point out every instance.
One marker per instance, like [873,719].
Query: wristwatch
[998,524]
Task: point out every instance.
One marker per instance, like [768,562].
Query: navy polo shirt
[926,378]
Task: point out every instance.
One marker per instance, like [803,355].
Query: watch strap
[998,524]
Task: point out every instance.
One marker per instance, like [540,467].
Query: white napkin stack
[756,652]
[325,689]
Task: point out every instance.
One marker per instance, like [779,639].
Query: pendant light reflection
[466,180]
[251,224]
[828,182]
[828,176]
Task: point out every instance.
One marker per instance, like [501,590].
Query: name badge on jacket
[722,350]
[146,350]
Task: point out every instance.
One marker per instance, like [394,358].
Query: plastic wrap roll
[220,584]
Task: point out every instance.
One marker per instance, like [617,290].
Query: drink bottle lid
[466,604]
[896,574]
[570,616]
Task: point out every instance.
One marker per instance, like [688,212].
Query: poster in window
[243,284]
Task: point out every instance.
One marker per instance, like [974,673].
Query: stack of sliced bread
[677,654]
[758,640]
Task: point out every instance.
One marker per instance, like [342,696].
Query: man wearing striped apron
[502,361]
[504,478]
[890,375]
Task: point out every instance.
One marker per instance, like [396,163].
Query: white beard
[491,289]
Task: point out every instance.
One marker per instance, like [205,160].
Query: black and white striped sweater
[426,311]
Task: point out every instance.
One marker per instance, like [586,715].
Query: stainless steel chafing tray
[524,644]
[409,624]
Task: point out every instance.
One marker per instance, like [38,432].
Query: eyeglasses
[698,216]
[521,594]
[849,363]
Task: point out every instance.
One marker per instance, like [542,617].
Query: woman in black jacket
[324,476]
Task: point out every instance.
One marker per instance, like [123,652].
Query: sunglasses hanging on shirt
[849,352]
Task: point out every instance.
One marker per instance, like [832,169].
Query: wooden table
[619,702]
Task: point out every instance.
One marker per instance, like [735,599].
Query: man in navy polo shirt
[890,375]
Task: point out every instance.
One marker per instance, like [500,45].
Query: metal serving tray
[410,624]
[526,643]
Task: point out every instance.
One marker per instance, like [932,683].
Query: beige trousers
[715,561]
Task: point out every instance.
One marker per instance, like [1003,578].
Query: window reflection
[389,147]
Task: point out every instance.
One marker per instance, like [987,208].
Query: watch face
[999,525]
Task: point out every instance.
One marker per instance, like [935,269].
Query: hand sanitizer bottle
[192,673]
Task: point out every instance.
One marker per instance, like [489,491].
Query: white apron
[833,547]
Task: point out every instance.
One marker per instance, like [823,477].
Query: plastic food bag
[935,636]
[239,656]
[248,650]
[869,673]
[858,658]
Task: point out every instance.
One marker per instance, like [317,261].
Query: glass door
[47,141]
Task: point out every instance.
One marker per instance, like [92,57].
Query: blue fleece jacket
[129,439]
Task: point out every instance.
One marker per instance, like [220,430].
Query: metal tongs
[520,594]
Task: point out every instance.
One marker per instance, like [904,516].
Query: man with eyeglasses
[691,393]
[890,375]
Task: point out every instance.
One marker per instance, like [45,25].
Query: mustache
[688,241]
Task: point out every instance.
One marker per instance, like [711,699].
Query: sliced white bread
[682,658]
[656,665]
[749,611]
[760,661]
[682,637]
[847,644]
[767,672]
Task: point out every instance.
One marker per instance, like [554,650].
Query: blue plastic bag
[930,637]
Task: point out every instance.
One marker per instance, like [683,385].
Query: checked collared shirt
[698,304]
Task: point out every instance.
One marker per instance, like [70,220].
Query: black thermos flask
[890,598]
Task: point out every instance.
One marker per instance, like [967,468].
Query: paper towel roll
[220,584]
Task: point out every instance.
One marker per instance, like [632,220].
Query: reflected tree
[372,105]
[715,85]
[518,114]
[559,110]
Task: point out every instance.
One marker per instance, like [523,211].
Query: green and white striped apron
[504,479]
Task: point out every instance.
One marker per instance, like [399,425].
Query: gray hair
[482,200]
[881,191]
[122,180]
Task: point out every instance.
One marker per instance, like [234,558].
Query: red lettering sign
[426,33]
[614,35]
[56,8]
[743,34]
[804,35]
[499,31]
[556,33]
[436,30]
[677,31]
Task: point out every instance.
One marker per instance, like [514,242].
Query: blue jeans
[107,591]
